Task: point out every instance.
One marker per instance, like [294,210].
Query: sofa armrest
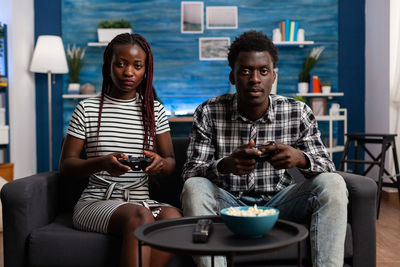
[362,217]
[28,203]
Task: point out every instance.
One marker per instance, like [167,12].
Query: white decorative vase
[106,35]
[73,88]
[87,89]
[326,89]
[302,87]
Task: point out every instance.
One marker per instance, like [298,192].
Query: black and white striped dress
[121,131]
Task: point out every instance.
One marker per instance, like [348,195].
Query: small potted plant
[310,61]
[108,29]
[75,57]
[326,87]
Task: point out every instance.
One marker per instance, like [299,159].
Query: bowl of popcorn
[250,221]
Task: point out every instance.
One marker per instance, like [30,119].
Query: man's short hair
[252,41]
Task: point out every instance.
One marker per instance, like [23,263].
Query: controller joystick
[136,163]
[265,155]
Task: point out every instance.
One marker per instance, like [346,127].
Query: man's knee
[198,197]
[333,186]
[196,187]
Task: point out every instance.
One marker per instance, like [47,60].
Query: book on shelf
[289,29]
[316,84]
[311,85]
[296,28]
[291,38]
[282,27]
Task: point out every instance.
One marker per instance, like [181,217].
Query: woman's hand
[158,164]
[113,166]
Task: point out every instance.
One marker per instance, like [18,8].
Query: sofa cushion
[59,244]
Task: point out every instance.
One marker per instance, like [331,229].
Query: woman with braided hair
[124,120]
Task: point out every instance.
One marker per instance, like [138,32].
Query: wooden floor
[387,233]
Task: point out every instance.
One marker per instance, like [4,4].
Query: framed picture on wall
[214,48]
[222,17]
[318,106]
[192,17]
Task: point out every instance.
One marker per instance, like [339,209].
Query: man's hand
[286,157]
[242,161]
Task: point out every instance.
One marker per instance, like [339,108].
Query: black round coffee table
[175,236]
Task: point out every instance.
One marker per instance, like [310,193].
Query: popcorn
[250,212]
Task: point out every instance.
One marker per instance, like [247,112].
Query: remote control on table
[202,230]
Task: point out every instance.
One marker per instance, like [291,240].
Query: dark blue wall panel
[352,63]
[181,80]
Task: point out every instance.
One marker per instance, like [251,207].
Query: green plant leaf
[309,63]
[111,24]
[75,59]
[300,98]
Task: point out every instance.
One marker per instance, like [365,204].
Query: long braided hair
[145,89]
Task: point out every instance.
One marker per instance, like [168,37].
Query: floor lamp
[49,57]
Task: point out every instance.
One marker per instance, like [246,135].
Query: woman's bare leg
[160,258]
[123,222]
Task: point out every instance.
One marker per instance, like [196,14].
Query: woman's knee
[128,217]
[140,216]
[169,213]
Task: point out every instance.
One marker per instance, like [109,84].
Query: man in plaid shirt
[222,167]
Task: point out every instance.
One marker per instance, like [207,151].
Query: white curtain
[395,72]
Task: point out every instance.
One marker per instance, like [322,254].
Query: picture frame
[222,17]
[318,106]
[192,17]
[213,48]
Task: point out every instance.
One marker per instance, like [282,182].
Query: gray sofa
[38,226]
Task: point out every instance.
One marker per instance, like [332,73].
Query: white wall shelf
[341,115]
[97,44]
[328,95]
[77,96]
[300,44]
[331,117]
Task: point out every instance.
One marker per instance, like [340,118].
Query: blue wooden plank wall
[183,81]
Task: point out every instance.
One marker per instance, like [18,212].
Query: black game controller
[136,163]
[265,155]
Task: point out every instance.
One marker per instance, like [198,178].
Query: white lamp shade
[49,55]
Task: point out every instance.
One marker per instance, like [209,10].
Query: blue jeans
[320,202]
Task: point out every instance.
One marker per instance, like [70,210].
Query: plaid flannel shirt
[218,129]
